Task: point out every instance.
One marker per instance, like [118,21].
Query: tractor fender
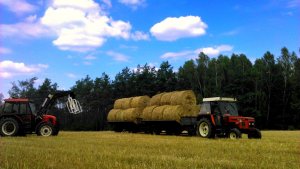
[209,117]
[12,116]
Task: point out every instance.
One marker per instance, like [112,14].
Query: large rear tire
[234,133]
[9,127]
[205,129]
[45,129]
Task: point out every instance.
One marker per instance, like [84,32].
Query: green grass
[277,149]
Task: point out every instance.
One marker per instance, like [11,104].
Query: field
[277,149]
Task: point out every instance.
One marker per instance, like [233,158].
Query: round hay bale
[147,112]
[186,97]
[155,100]
[130,115]
[166,98]
[157,113]
[141,101]
[126,103]
[190,111]
[118,104]
[172,113]
[120,115]
[112,114]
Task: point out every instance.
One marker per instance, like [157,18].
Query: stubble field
[277,149]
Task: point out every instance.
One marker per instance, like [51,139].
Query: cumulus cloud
[171,28]
[80,25]
[9,68]
[90,57]
[118,56]
[192,54]
[4,50]
[134,4]
[18,6]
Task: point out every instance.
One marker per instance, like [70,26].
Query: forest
[268,89]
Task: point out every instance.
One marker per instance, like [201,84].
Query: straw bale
[190,110]
[141,101]
[155,100]
[147,112]
[166,98]
[126,103]
[112,114]
[173,113]
[157,113]
[118,104]
[186,97]
[131,114]
[120,115]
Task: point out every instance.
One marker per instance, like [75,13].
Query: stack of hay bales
[171,106]
[128,109]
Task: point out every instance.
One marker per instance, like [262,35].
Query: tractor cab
[225,121]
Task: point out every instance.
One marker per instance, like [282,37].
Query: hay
[190,111]
[147,112]
[155,100]
[172,113]
[130,115]
[112,114]
[186,97]
[119,115]
[118,104]
[157,113]
[166,98]
[126,103]
[141,101]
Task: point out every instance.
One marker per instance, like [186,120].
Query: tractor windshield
[32,107]
[228,108]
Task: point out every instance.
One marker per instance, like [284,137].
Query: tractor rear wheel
[234,133]
[9,127]
[45,129]
[205,129]
[256,134]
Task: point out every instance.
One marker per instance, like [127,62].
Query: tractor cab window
[7,108]
[32,108]
[228,108]
[23,108]
[15,108]
[205,108]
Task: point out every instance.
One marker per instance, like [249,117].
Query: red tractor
[219,117]
[19,115]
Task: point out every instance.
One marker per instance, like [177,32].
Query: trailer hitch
[73,106]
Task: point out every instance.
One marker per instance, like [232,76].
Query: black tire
[45,129]
[9,127]
[205,129]
[234,133]
[255,134]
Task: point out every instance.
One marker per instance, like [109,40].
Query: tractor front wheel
[45,129]
[9,127]
[205,129]
[234,133]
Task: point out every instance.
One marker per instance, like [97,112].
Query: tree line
[268,89]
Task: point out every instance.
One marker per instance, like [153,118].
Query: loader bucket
[73,106]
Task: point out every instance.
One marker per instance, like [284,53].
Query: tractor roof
[17,100]
[215,99]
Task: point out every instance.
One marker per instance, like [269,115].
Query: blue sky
[65,40]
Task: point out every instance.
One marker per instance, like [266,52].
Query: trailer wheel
[256,134]
[45,129]
[9,127]
[205,129]
[234,133]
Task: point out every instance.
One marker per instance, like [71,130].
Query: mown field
[277,149]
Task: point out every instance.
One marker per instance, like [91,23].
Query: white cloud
[171,28]
[107,3]
[90,57]
[293,3]
[9,69]
[18,6]
[138,35]
[4,50]
[192,54]
[133,3]
[87,63]
[118,56]
[71,75]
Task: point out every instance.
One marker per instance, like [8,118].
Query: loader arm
[72,104]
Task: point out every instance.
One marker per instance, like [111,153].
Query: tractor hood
[241,121]
[50,119]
